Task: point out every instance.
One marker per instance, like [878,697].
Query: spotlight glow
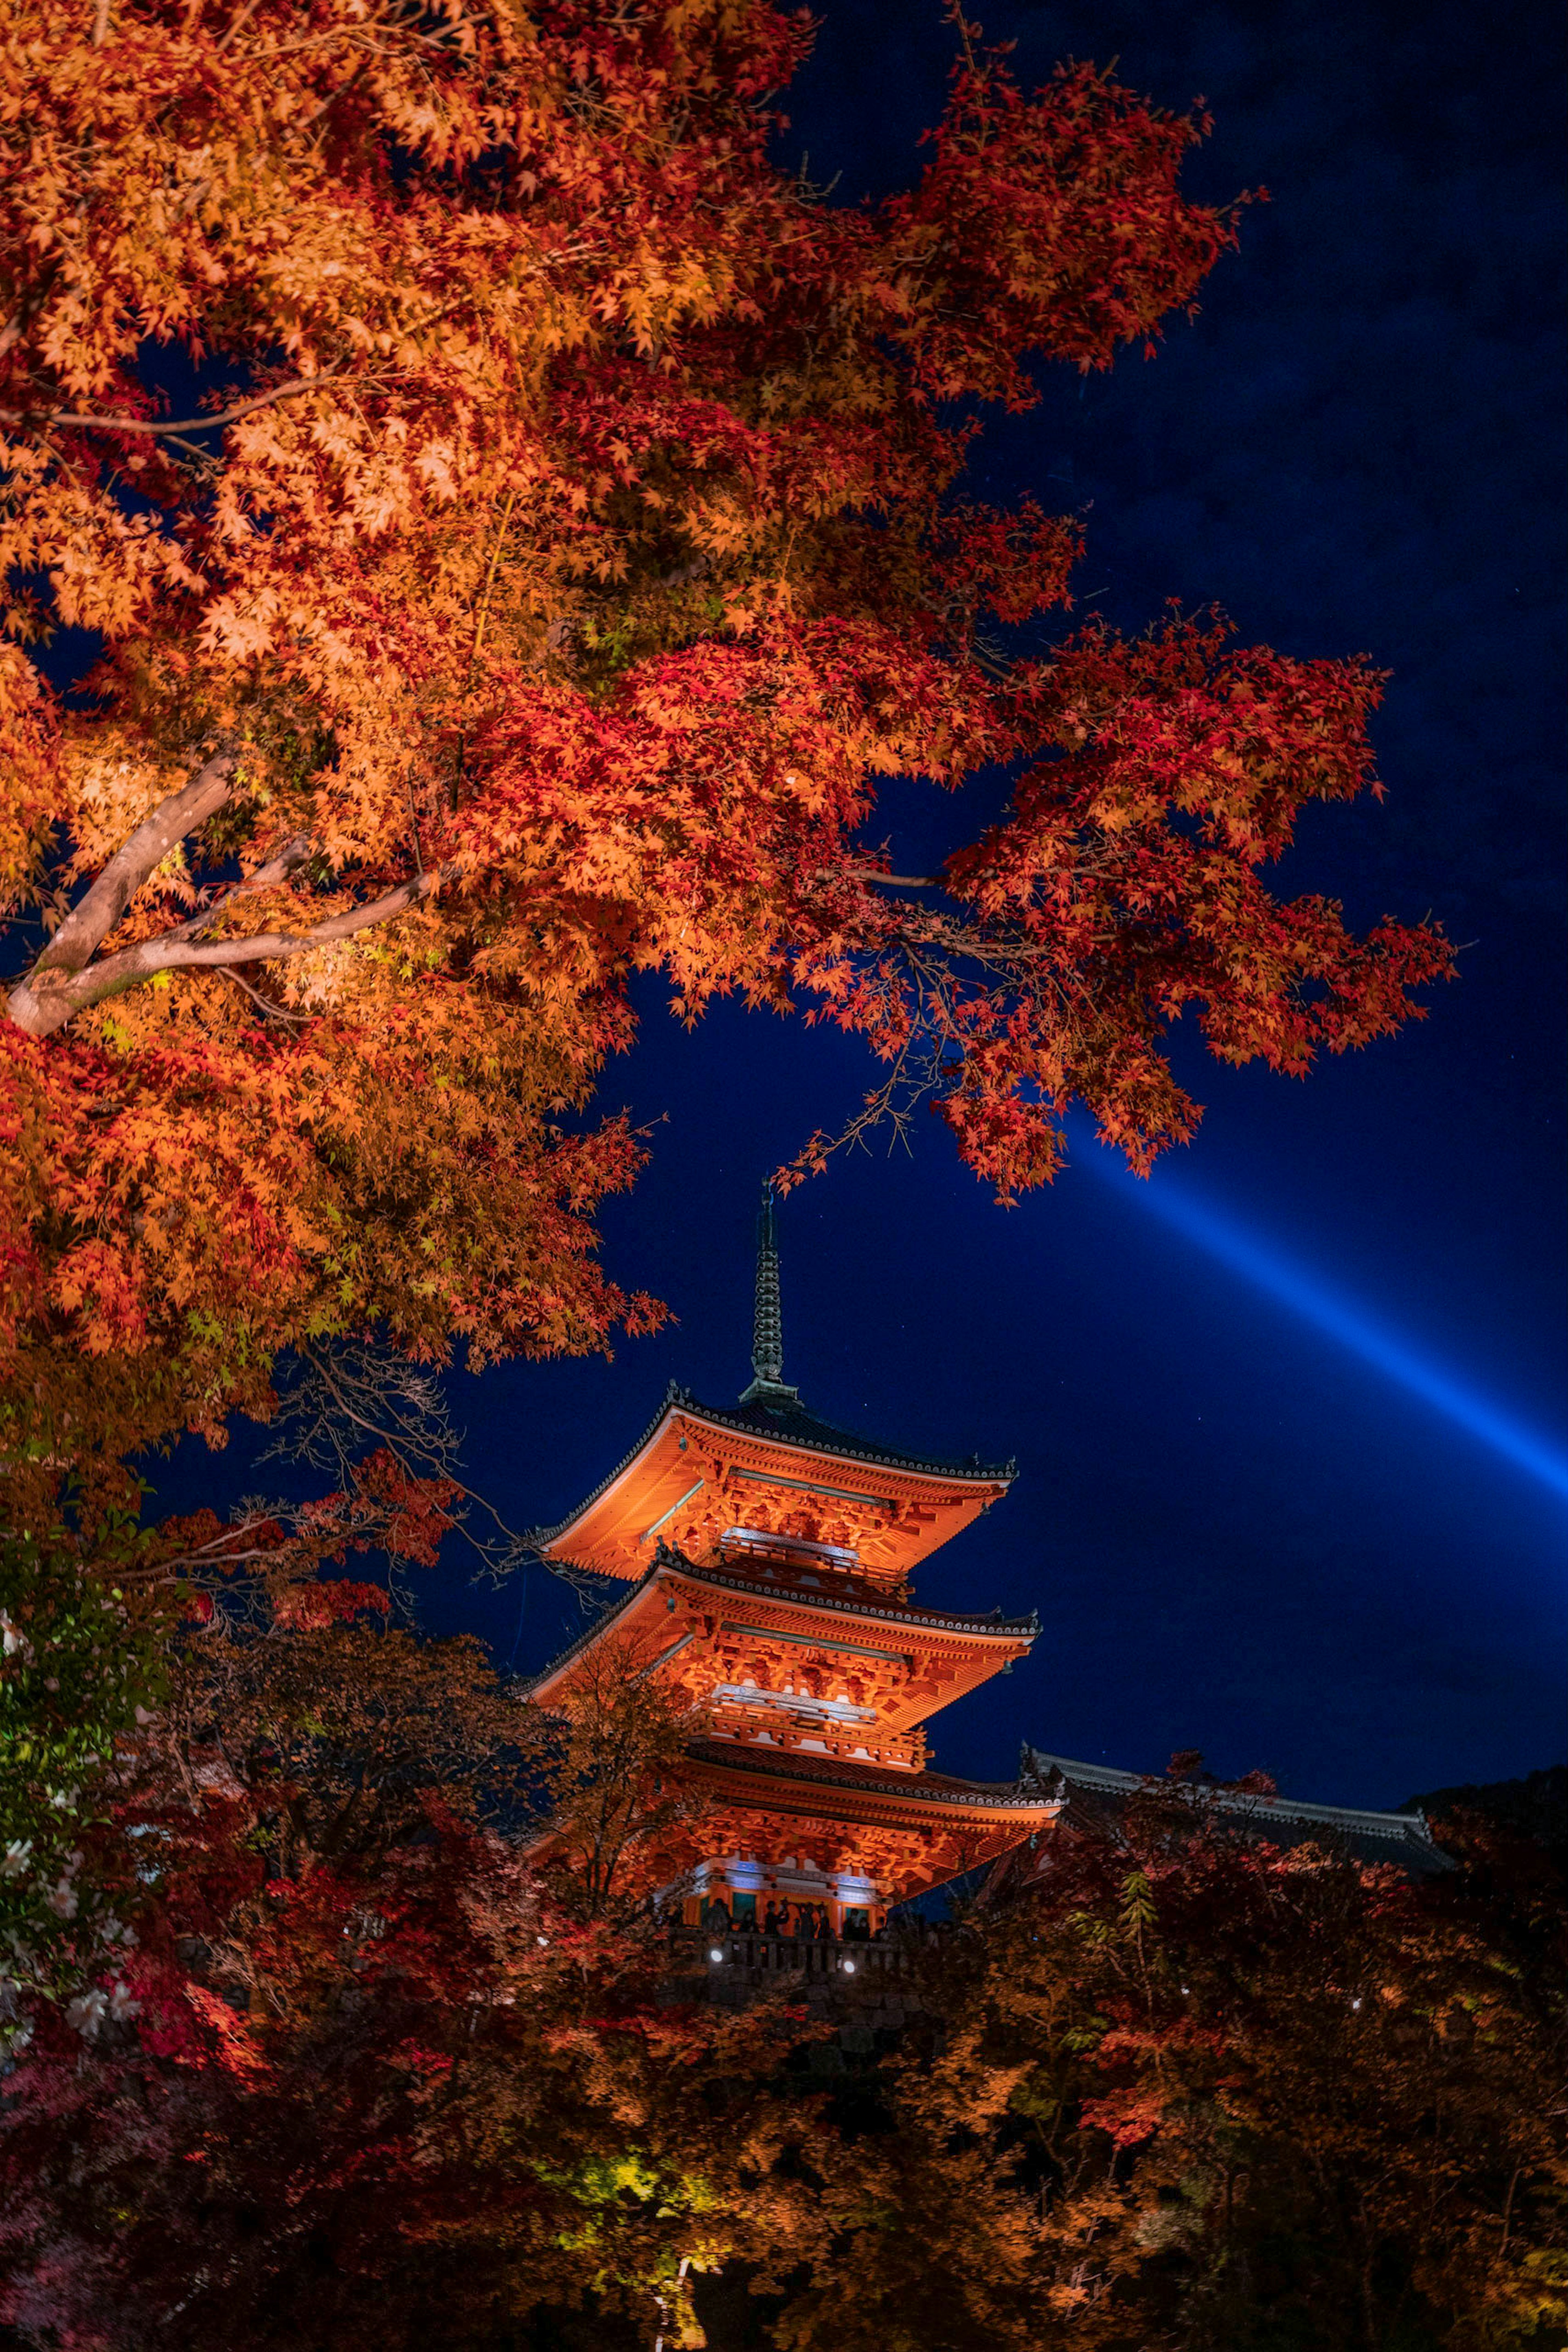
[1340,1319]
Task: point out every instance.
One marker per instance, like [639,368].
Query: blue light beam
[1316,1304]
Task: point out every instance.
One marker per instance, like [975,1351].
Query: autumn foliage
[520,525]
[517,527]
[1194,2090]
[360,2077]
[360,2074]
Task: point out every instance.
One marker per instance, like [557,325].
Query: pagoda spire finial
[767,1324]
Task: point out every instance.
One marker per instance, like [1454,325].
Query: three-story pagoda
[768,1556]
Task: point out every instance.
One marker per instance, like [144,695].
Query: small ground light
[849,1967]
[714,1952]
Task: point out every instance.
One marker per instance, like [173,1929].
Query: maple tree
[564,532]
[93,1627]
[362,2014]
[1196,2091]
[616,1748]
[370,2077]
[365,2076]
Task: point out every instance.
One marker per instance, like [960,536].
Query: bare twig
[238,25]
[335,1399]
[331,101]
[265,1005]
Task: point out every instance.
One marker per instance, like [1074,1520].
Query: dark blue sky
[1242,1535]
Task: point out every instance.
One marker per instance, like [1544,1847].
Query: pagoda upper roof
[700,1475]
[791,1424]
[785,1422]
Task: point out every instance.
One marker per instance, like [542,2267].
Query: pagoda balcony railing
[754,1957]
[816,1731]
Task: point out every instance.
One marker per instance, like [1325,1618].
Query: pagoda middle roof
[889,1613]
[956,1621]
[786,1423]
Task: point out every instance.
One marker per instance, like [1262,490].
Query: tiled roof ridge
[848,1450]
[847,1446]
[1359,1818]
[932,1787]
[944,1621]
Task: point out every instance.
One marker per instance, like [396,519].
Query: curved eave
[671,1567]
[817,1442]
[929,1620]
[804,1785]
[591,1633]
[543,1537]
[864,1795]
[825,1443]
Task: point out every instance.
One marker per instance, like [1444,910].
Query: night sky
[1243,1534]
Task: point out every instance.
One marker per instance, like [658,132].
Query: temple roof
[791,1424]
[769,1411]
[787,1765]
[666,1564]
[1095,1792]
[891,1613]
[785,1422]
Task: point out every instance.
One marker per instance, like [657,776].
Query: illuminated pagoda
[768,1556]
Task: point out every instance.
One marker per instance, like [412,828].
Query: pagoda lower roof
[786,1423]
[815,1777]
[667,1563]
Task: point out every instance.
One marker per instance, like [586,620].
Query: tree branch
[92,918]
[331,101]
[263,1004]
[27,309]
[177,424]
[278,869]
[42,1004]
